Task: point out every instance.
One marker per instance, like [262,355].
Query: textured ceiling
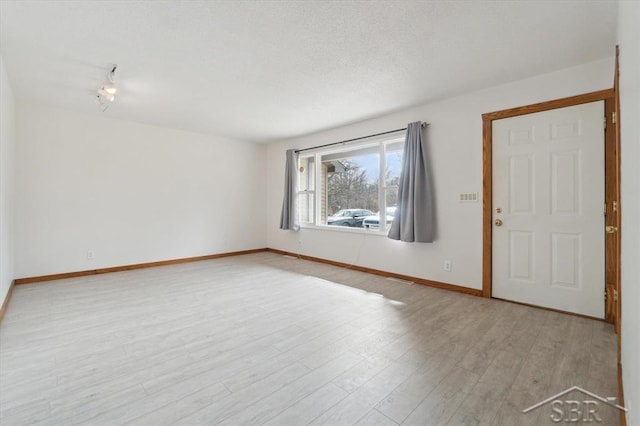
[262,71]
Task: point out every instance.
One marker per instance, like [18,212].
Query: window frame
[318,186]
[307,191]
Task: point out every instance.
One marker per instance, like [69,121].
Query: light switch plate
[469,197]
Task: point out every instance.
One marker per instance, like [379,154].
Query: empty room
[319,212]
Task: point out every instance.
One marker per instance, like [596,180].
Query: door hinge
[604,122]
[614,117]
[615,295]
[615,206]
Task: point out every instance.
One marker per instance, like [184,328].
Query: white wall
[7,171]
[455,142]
[629,42]
[129,192]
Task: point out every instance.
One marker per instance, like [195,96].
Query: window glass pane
[350,182]
[306,206]
[393,160]
[306,173]
[391,198]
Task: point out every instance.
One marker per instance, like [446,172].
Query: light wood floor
[265,339]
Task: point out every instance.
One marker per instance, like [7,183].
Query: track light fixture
[107,90]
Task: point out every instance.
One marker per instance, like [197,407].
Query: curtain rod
[356,139]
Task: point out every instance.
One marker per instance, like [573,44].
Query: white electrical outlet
[90,255]
[447,265]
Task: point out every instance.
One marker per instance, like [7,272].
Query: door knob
[498,222]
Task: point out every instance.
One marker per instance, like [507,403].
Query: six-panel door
[548,201]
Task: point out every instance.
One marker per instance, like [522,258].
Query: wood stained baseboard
[134,266]
[437,284]
[5,303]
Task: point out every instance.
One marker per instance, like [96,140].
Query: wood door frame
[618,306]
[611,151]
[618,217]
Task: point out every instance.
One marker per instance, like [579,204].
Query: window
[306,191]
[351,185]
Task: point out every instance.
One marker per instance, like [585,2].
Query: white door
[548,192]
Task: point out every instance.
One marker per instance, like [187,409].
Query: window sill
[344,229]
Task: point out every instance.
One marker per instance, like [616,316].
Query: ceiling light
[107,90]
[101,104]
[110,88]
[110,96]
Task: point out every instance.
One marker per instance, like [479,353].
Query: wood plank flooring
[266,339]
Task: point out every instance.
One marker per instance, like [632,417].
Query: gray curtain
[414,217]
[289,216]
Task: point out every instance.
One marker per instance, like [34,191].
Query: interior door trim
[616,145]
[606,95]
